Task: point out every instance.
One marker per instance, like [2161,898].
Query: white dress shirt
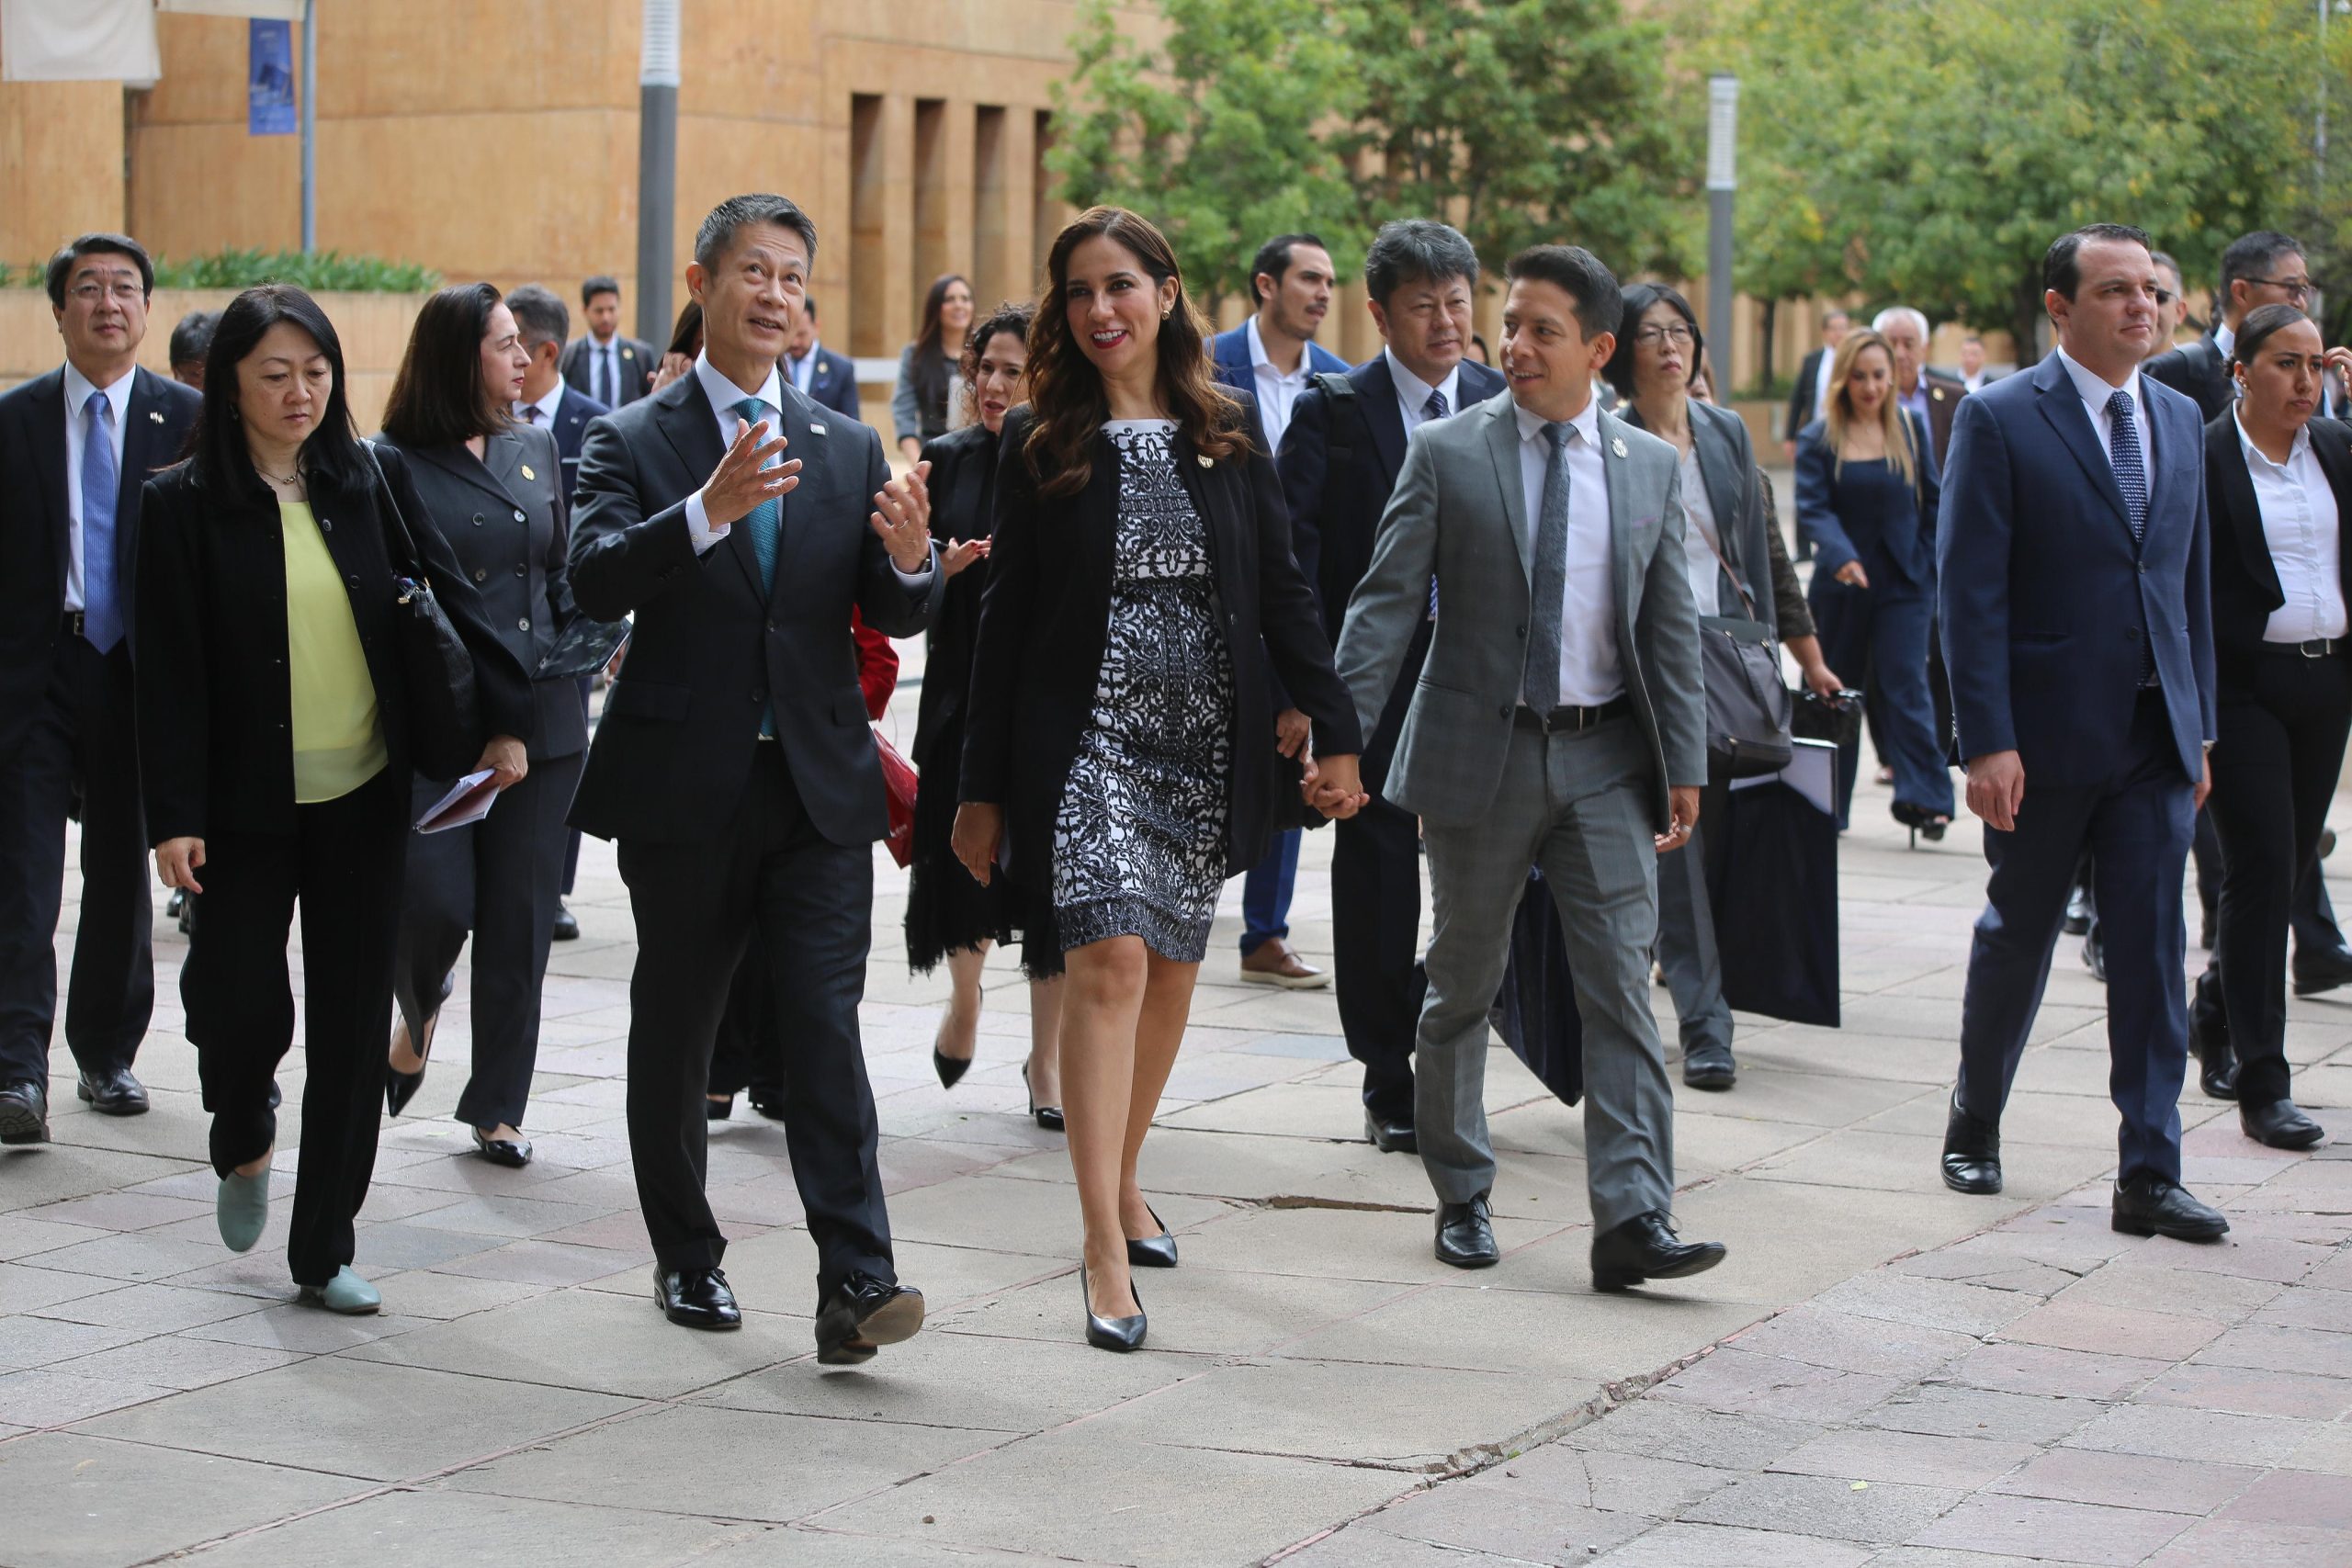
[1413,393]
[547,405]
[1821,383]
[1590,670]
[2095,390]
[804,369]
[1277,393]
[78,389]
[610,351]
[2299,523]
[1701,541]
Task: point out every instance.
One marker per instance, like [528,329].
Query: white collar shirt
[2300,520]
[78,389]
[804,369]
[547,405]
[607,353]
[1413,393]
[1821,382]
[1591,672]
[2095,392]
[1701,539]
[1277,392]
[2226,341]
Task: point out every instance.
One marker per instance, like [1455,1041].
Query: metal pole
[657,167]
[1723,182]
[310,126]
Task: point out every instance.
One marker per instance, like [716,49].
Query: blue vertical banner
[269,79]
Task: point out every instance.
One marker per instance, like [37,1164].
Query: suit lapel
[2331,444]
[2062,407]
[691,426]
[1210,486]
[810,448]
[2227,461]
[477,474]
[1376,395]
[1610,432]
[1724,484]
[1501,415]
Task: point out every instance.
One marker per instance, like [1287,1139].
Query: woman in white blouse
[2279,486]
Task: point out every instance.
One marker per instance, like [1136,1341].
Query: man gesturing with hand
[739,522]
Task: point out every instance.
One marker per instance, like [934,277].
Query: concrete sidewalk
[1310,1363]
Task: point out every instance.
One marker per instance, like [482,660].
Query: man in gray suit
[1558,722]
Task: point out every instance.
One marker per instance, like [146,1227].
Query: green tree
[1215,130]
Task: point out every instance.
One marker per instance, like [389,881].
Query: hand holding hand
[1334,786]
[1852,574]
[979,825]
[1291,730]
[902,518]
[1682,811]
[961,553]
[177,861]
[1996,788]
[503,758]
[742,480]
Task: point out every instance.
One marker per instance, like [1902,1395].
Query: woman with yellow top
[275,758]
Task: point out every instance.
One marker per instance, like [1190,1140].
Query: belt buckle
[2315,647]
[75,620]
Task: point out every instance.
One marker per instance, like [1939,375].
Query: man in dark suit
[1812,383]
[1929,393]
[824,377]
[1338,461]
[76,445]
[1973,376]
[734,764]
[2077,625]
[1272,356]
[614,370]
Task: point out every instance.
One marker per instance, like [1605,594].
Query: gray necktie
[1541,687]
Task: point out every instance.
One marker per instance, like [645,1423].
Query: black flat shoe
[1645,1248]
[766,1100]
[1120,1334]
[113,1093]
[863,1314]
[697,1297]
[950,1069]
[1972,1161]
[2280,1124]
[2149,1205]
[1050,1117]
[24,1113]
[2316,973]
[1465,1235]
[1153,1251]
[567,924]
[717,1108]
[511,1153]
[1390,1134]
[1710,1068]
[400,1087]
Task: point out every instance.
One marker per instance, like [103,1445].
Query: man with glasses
[2265,267]
[76,445]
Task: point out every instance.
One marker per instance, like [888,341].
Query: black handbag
[1748,708]
[445,735]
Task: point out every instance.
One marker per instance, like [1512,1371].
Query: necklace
[292,480]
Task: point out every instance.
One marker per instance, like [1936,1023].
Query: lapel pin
[1937,393]
[1618,446]
[1203,460]
[816,429]
[628,354]
[526,472]
[153,414]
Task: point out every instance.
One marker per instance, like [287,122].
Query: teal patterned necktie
[768,515]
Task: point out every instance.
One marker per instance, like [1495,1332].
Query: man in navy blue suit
[1338,461]
[830,379]
[2078,625]
[1272,356]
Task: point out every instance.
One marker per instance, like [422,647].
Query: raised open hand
[742,480]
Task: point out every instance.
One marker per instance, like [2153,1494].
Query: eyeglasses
[124,291]
[2294,289]
[2164,296]
[1650,337]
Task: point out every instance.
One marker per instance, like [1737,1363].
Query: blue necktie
[1541,683]
[604,359]
[1436,408]
[101,616]
[2132,479]
[764,522]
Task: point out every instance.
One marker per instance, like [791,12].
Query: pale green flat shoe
[347,1293]
[243,1209]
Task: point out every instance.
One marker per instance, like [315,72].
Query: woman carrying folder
[493,489]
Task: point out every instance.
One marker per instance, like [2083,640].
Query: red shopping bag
[898,785]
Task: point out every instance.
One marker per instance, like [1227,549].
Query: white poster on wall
[79,40]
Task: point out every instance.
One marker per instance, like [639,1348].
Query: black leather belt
[2309,648]
[73,623]
[1569,720]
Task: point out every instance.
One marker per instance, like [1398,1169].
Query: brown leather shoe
[1273,964]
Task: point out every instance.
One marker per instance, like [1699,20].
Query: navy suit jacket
[570,427]
[833,383]
[2045,596]
[1230,354]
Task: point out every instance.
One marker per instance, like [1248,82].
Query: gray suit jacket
[1459,511]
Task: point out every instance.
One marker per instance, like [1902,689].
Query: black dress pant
[2275,767]
[341,861]
[498,879]
[1376,949]
[77,750]
[770,877]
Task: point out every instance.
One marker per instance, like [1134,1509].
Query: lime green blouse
[338,742]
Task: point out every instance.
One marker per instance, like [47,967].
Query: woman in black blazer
[2279,487]
[494,489]
[1116,748]
[274,749]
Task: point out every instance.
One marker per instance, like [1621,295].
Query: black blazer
[214,704]
[507,519]
[962,506]
[1944,393]
[833,383]
[36,518]
[570,428]
[1801,396]
[2198,371]
[634,364]
[1743,516]
[1046,616]
[2245,585]
[712,649]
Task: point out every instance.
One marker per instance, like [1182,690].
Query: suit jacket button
[326,524]
[2131,634]
[522,571]
[1503,712]
[523,625]
[758,696]
[478,520]
[1522,630]
[773,627]
[480,575]
[520,518]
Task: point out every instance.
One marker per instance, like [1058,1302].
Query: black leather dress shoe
[2282,1124]
[511,1153]
[1465,1235]
[24,1113]
[1710,1068]
[113,1093]
[2149,1205]
[1645,1248]
[2321,971]
[767,1099]
[2208,1042]
[567,924]
[1972,1160]
[697,1297]
[863,1314]
[2095,955]
[1390,1134]
[2078,912]
[1153,1251]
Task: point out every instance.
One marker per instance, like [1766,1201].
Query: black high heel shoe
[950,1069]
[1152,1251]
[400,1087]
[1111,1333]
[1050,1117]
[1923,823]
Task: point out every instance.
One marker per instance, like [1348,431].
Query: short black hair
[438,397]
[601,284]
[542,316]
[2252,255]
[809,306]
[2260,323]
[718,231]
[1417,250]
[61,265]
[1273,260]
[1599,303]
[1974,338]
[217,445]
[192,336]
[2062,271]
[1837,313]
[1618,371]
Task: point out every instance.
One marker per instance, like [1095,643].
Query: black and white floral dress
[1139,842]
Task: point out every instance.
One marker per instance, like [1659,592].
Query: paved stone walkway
[1310,1364]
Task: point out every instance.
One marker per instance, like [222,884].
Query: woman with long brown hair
[1116,764]
[924,405]
[1866,499]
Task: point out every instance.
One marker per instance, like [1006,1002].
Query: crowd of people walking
[1186,596]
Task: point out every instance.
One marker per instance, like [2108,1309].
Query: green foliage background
[323,272]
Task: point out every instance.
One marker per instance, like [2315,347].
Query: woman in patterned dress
[1141,554]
